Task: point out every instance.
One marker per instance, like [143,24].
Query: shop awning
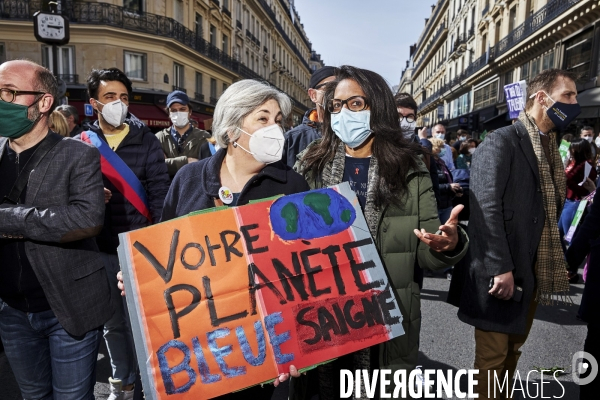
[496,122]
[151,115]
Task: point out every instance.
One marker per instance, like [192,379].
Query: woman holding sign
[247,128]
[362,144]
[579,184]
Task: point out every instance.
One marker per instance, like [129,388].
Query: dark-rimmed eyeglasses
[9,95]
[354,103]
[409,118]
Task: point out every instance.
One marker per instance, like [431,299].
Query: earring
[234,144]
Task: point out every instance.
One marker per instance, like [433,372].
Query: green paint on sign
[290,213]
[319,203]
[346,215]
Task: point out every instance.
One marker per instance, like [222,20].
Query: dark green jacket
[191,148]
[399,248]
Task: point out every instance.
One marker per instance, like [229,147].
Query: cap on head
[178,97]
[321,74]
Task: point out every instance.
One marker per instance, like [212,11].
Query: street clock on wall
[51,28]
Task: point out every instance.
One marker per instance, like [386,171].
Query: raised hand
[448,239]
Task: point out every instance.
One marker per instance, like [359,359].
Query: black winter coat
[445,193]
[587,241]
[298,139]
[196,186]
[505,227]
[142,153]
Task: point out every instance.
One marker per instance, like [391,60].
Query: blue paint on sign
[311,215]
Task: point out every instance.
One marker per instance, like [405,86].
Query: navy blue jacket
[142,153]
[587,241]
[298,139]
[196,185]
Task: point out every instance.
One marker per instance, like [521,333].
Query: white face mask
[114,113]
[589,138]
[440,136]
[408,128]
[180,118]
[266,144]
[472,150]
[597,141]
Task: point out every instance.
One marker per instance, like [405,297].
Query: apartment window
[225,44]
[213,88]
[198,24]
[198,83]
[498,31]
[525,71]
[225,4]
[136,6]
[578,54]
[224,87]
[2,53]
[548,61]
[66,59]
[512,19]
[135,65]
[178,10]
[213,35]
[536,65]
[485,96]
[238,10]
[178,79]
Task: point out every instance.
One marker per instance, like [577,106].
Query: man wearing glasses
[54,292]
[298,138]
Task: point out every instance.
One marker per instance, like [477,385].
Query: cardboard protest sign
[223,300]
[515,98]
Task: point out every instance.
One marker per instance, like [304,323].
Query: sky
[370,34]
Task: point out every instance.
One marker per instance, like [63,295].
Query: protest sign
[515,98]
[563,150]
[223,300]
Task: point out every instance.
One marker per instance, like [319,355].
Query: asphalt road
[446,343]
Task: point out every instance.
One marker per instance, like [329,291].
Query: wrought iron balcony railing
[179,88]
[116,16]
[198,96]
[213,100]
[551,10]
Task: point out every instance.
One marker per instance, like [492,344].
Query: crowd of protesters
[424,193]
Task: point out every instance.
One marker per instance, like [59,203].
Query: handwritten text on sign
[228,299]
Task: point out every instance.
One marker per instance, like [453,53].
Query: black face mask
[562,114]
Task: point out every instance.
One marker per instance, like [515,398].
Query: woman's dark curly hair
[396,155]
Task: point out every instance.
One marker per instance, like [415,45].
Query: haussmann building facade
[470,49]
[198,46]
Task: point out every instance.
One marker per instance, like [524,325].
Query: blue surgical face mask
[352,127]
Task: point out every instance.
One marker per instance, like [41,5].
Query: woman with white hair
[247,128]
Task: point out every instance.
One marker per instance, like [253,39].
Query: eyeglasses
[409,118]
[9,96]
[354,103]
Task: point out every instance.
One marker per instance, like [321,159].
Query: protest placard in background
[227,299]
[515,94]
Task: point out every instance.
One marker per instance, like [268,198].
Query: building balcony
[424,54]
[198,96]
[216,2]
[553,9]
[69,78]
[226,11]
[104,14]
[213,100]
[179,88]
[238,24]
[265,50]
